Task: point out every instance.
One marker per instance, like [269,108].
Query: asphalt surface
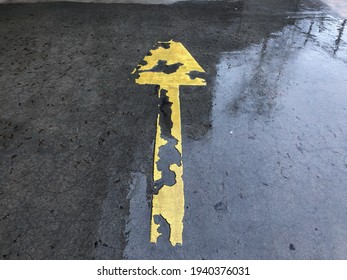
[264,143]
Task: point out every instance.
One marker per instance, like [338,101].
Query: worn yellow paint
[176,53]
[169,202]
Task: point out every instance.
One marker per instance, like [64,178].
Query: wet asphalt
[264,143]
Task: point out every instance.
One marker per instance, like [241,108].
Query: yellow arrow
[169,65]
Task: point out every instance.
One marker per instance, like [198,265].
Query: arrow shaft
[168,194]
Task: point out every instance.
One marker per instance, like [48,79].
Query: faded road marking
[168,65]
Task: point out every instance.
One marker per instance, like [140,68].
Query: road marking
[169,65]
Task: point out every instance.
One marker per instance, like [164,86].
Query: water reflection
[338,6]
[258,69]
[339,37]
[275,157]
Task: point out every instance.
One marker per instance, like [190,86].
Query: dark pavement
[264,143]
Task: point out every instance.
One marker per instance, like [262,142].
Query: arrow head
[169,64]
